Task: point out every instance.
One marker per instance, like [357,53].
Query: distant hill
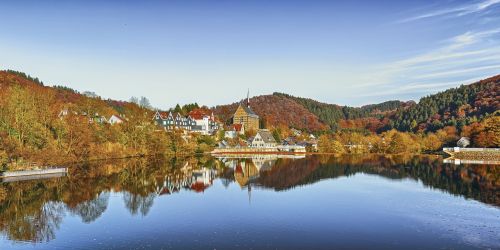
[276,110]
[453,107]
[281,109]
[62,97]
[331,114]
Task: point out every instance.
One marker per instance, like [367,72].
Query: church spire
[248,98]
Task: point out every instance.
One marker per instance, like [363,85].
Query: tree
[326,144]
[402,143]
[144,103]
[492,127]
[431,142]
[134,99]
[277,135]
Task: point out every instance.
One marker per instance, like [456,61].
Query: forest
[55,125]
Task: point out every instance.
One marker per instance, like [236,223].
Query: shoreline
[492,155]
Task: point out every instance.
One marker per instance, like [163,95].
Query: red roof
[165,191]
[198,187]
[163,115]
[238,169]
[237,127]
[198,114]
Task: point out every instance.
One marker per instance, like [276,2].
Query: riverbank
[30,165]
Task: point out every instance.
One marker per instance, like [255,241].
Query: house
[239,128]
[205,121]
[198,121]
[63,113]
[234,130]
[223,144]
[66,112]
[264,139]
[97,119]
[244,115]
[463,142]
[289,141]
[173,121]
[115,119]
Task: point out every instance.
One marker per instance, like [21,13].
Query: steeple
[248,98]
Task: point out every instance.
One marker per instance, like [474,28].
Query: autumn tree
[327,144]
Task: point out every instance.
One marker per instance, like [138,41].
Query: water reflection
[33,210]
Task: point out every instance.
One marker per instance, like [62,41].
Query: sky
[211,52]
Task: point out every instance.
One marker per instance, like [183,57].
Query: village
[242,134]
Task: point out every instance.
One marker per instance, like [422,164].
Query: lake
[259,202]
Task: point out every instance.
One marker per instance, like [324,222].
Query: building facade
[264,139]
[205,121]
[245,116]
[195,122]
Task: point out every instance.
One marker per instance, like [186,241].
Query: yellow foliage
[326,144]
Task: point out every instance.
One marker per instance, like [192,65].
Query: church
[244,115]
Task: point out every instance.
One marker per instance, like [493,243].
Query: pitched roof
[237,127]
[117,116]
[266,136]
[198,114]
[163,115]
[248,110]
[198,187]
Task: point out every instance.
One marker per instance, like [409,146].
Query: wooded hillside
[50,125]
[454,107]
[281,109]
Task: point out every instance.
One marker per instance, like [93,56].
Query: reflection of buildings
[247,168]
[196,180]
[245,172]
[202,179]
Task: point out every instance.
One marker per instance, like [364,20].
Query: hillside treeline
[51,125]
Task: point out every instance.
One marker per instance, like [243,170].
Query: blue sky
[344,52]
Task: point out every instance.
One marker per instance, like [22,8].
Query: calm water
[317,202]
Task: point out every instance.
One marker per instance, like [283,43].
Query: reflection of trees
[90,210]
[33,210]
[135,203]
[37,226]
[477,182]
[46,222]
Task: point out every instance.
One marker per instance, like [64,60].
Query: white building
[264,139]
[114,119]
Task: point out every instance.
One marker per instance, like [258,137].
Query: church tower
[244,115]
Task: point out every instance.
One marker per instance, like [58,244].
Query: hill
[276,111]
[52,125]
[455,107]
[62,97]
[281,109]
[336,116]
